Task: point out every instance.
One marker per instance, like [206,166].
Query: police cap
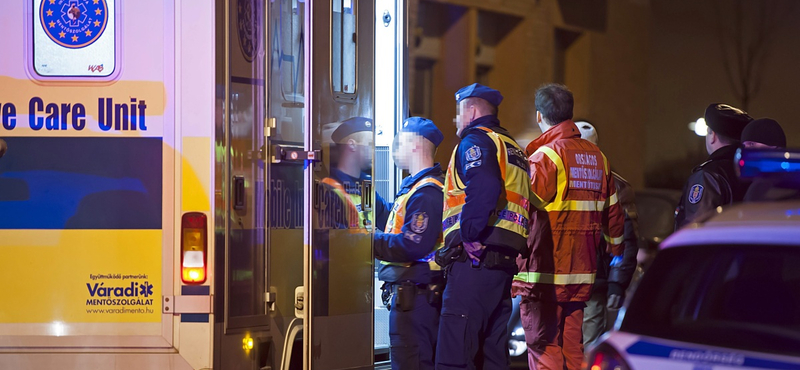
[477,90]
[351,126]
[726,120]
[423,127]
[765,131]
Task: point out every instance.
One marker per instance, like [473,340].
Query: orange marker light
[194,248]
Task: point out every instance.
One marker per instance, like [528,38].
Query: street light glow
[699,127]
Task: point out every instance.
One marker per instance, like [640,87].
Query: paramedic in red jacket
[575,205]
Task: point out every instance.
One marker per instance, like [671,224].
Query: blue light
[753,163]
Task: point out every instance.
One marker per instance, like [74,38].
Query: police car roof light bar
[755,163]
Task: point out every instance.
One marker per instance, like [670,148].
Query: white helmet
[587,131]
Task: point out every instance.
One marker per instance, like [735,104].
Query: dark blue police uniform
[477,300]
[405,252]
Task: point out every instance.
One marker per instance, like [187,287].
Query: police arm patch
[419,222]
[472,165]
[473,153]
[695,193]
[416,238]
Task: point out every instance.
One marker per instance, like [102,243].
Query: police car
[723,293]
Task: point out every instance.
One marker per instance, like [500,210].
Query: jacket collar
[485,121]
[726,152]
[410,181]
[563,130]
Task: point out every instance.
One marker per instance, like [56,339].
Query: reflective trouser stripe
[557,279]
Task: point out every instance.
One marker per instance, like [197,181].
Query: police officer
[765,133]
[413,282]
[714,182]
[485,227]
[614,273]
[340,194]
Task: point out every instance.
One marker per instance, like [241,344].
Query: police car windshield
[741,297]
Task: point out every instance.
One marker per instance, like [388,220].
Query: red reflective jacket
[575,205]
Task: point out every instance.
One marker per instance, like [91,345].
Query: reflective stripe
[397,220]
[557,279]
[569,205]
[561,178]
[451,221]
[615,241]
[577,205]
[354,218]
[612,200]
[512,217]
[513,206]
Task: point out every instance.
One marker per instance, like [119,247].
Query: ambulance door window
[343,47]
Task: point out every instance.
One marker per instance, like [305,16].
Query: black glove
[616,295]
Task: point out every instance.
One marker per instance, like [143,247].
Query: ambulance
[159,190]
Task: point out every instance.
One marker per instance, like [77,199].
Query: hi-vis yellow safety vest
[355,217]
[394,225]
[512,212]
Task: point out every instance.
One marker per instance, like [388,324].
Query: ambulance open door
[338,281]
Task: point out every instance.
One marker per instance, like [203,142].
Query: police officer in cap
[766,133]
[340,203]
[413,281]
[714,183]
[485,227]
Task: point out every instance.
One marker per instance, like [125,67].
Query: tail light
[194,248]
[605,357]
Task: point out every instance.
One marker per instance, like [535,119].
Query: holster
[495,260]
[406,292]
[435,291]
[448,255]
[386,295]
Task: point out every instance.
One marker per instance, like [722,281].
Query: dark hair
[555,103]
[725,139]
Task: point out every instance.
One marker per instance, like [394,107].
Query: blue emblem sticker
[73,24]
[473,153]
[695,193]
[419,222]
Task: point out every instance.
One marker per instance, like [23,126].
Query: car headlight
[516,344]
[605,357]
[516,347]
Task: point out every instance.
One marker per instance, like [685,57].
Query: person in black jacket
[613,274]
[765,133]
[714,183]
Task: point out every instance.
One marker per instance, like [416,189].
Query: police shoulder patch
[472,165]
[473,153]
[419,222]
[695,193]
